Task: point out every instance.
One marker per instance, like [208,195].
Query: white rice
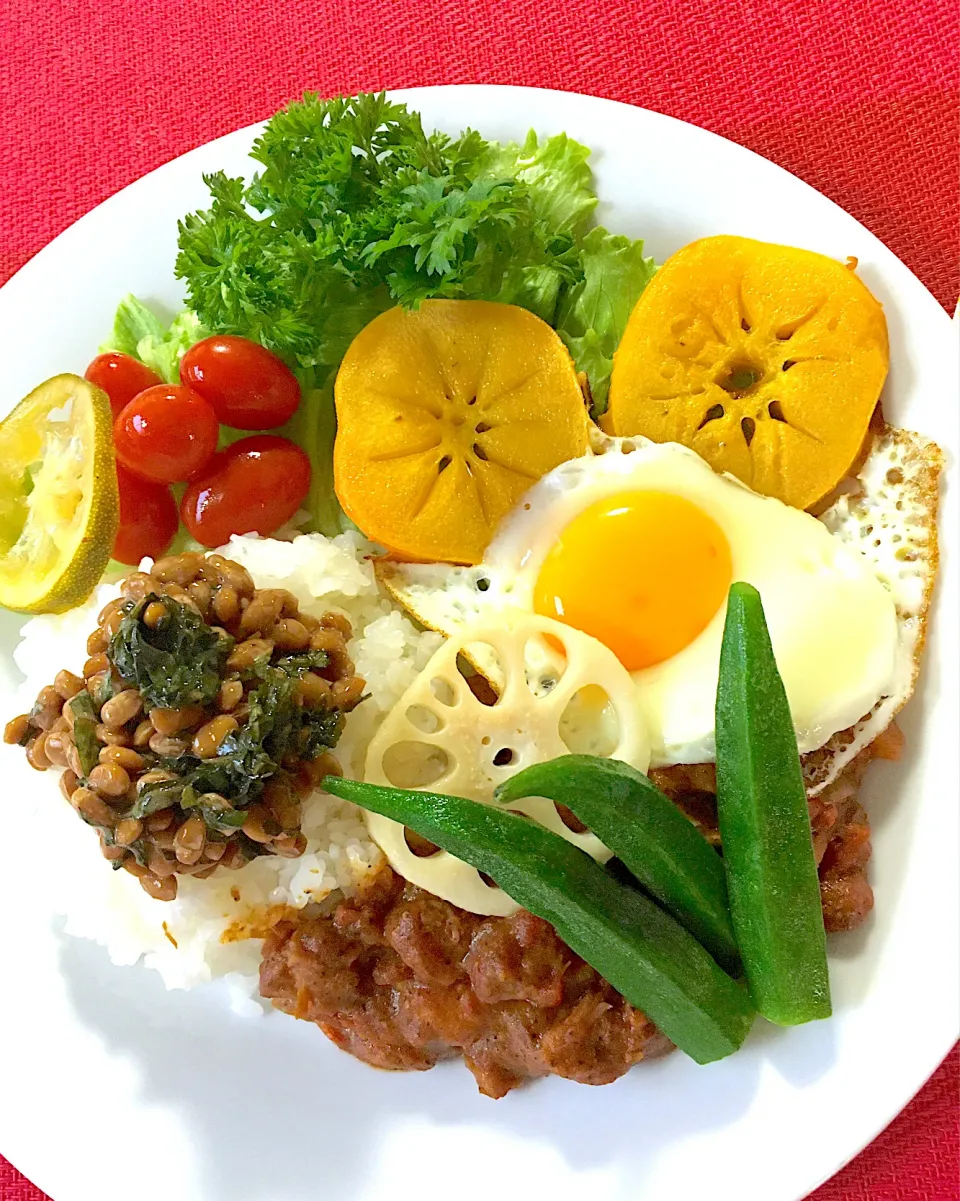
[182,939]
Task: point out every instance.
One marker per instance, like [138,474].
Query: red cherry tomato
[253,486]
[121,377]
[247,386]
[148,519]
[166,434]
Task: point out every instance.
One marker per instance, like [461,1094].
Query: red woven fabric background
[859,99]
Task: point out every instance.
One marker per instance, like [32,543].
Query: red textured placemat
[860,99]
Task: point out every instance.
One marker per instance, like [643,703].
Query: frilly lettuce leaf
[556,173]
[594,313]
[139,332]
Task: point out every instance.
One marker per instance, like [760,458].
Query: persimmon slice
[766,360]
[445,417]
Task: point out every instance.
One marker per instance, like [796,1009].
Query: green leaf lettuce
[593,314]
[137,331]
[356,209]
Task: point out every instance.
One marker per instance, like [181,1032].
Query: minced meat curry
[402,979]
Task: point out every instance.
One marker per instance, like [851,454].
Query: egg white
[833,623]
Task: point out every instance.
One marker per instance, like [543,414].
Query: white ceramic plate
[113,1088]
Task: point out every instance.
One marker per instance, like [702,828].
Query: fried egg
[637,543]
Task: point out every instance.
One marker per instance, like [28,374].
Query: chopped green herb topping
[85,719]
[276,726]
[177,662]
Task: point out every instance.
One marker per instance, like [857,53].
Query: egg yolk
[642,572]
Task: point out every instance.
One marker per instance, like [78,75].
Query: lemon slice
[59,509]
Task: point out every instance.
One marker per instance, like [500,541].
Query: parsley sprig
[356,208]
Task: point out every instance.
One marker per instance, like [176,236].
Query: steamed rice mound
[199,935]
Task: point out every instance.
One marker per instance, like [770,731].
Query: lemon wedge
[59,509]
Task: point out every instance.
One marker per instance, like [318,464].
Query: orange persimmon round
[445,416]
[766,360]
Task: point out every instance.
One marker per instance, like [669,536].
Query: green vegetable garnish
[177,662]
[103,690]
[649,834]
[85,719]
[765,825]
[629,940]
[362,210]
[357,209]
[314,428]
[594,312]
[276,725]
[138,332]
[303,661]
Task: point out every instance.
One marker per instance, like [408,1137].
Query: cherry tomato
[253,486]
[166,434]
[247,386]
[148,519]
[121,377]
